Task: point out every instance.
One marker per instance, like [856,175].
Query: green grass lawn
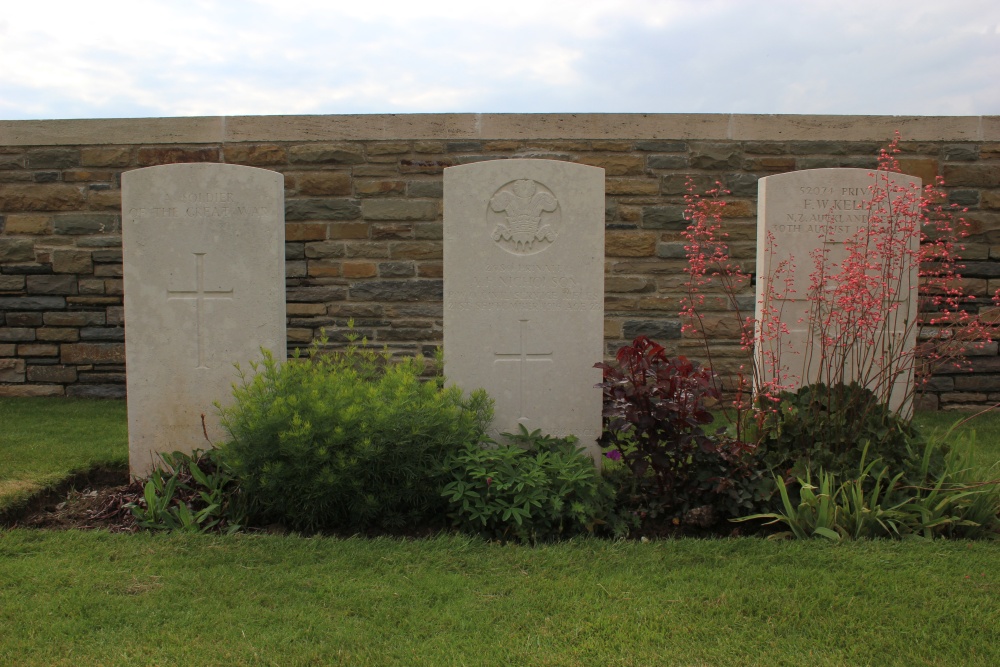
[45,440]
[981,431]
[92,598]
[98,599]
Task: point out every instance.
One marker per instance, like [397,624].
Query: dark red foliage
[654,411]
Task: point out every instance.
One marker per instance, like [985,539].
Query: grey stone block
[656,329]
[52,158]
[27,269]
[398,290]
[114,241]
[671,251]
[667,161]
[316,294]
[463,146]
[676,184]
[14,249]
[765,148]
[16,334]
[400,209]
[981,270]
[964,197]
[11,283]
[827,162]
[833,148]
[32,303]
[102,333]
[960,153]
[326,154]
[664,217]
[661,146]
[295,250]
[11,161]
[716,156]
[324,250]
[407,334]
[396,269]
[109,256]
[52,284]
[427,189]
[24,319]
[428,231]
[435,310]
[322,209]
[742,185]
[75,319]
[86,223]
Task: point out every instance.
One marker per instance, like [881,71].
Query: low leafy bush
[536,488]
[829,427]
[349,440]
[654,418]
[196,492]
[654,412]
[960,502]
[837,512]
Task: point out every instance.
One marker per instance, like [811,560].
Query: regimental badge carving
[524,217]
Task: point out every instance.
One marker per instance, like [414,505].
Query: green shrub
[195,493]
[820,427]
[836,512]
[960,502]
[349,440]
[536,488]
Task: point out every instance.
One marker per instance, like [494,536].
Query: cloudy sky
[140,58]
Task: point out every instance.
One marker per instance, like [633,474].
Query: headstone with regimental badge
[524,292]
[204,276]
[812,211]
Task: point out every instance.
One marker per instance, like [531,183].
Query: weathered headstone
[800,213]
[524,291]
[204,277]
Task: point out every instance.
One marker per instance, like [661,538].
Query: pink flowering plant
[867,347]
[863,324]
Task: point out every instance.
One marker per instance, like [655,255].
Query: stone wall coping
[381,127]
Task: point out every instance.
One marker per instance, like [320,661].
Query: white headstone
[204,269]
[524,292]
[800,213]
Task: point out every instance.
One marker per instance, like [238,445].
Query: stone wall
[363,218]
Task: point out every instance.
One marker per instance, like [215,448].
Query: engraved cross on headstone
[199,296]
[521,356]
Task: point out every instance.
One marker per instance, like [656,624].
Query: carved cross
[522,357]
[199,295]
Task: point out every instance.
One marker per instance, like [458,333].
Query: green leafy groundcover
[530,488]
[829,428]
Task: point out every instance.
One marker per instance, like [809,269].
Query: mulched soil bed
[94,500]
[97,501]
